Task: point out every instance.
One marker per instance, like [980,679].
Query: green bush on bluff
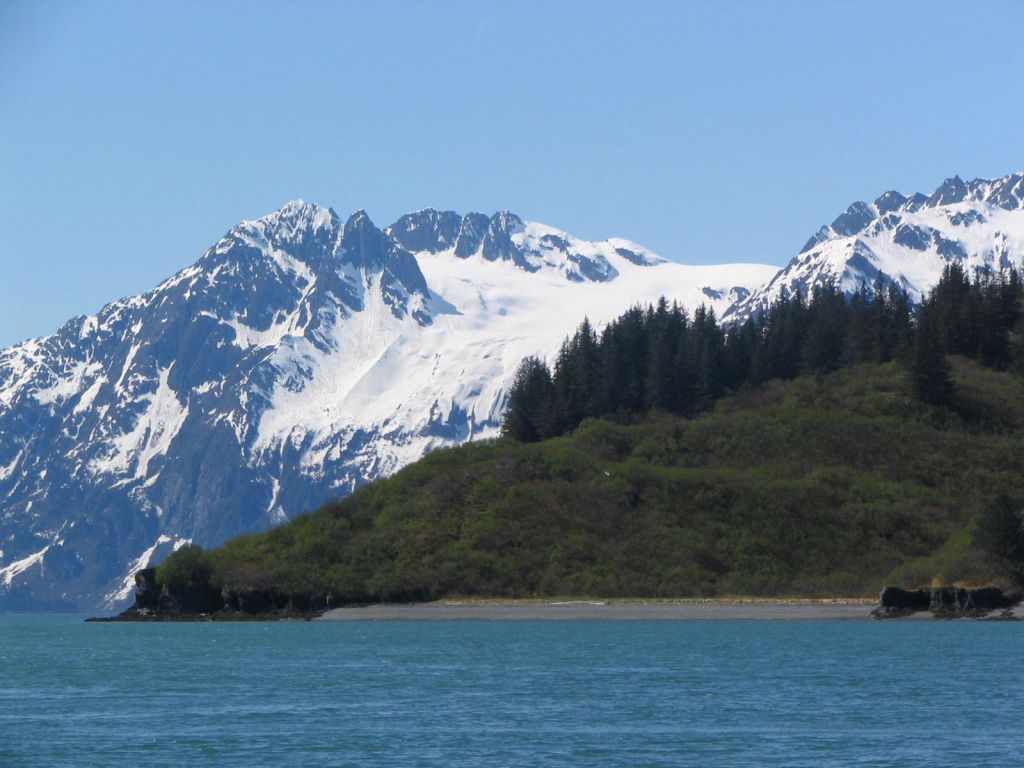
[189,566]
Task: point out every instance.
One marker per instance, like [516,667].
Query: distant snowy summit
[302,356]
[906,241]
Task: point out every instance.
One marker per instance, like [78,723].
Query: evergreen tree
[662,336]
[861,323]
[930,373]
[738,355]
[952,304]
[529,415]
[705,358]
[576,379]
[999,534]
[898,326]
[826,327]
[624,351]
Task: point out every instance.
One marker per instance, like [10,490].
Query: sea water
[672,693]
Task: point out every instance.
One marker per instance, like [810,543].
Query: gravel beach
[612,610]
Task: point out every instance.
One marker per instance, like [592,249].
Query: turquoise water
[510,693]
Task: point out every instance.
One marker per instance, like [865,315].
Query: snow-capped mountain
[301,356]
[907,241]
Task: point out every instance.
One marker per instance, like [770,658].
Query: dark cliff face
[199,600]
[427,231]
[943,602]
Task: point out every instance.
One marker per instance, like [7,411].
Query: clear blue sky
[132,135]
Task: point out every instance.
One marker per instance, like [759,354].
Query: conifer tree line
[660,358]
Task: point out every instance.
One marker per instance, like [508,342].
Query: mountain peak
[856,217]
[890,201]
[296,205]
[361,234]
[294,222]
[427,230]
[300,210]
[952,190]
[907,241]
[1006,193]
[506,221]
[359,220]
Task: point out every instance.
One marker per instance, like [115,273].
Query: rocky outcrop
[203,602]
[943,602]
[894,603]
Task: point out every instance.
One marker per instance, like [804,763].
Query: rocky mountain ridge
[906,240]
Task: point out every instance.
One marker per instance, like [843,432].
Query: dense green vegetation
[188,567]
[828,448]
[823,485]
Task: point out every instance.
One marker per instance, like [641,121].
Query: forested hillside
[826,449]
[827,485]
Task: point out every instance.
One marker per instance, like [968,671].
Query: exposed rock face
[147,593]
[942,602]
[894,602]
[201,601]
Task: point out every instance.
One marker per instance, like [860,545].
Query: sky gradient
[134,134]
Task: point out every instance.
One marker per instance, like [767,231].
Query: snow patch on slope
[151,435]
[67,385]
[7,573]
[127,585]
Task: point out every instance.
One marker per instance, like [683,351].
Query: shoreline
[584,609]
[725,609]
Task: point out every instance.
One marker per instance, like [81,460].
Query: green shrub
[189,566]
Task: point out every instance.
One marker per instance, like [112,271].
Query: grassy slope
[812,487]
